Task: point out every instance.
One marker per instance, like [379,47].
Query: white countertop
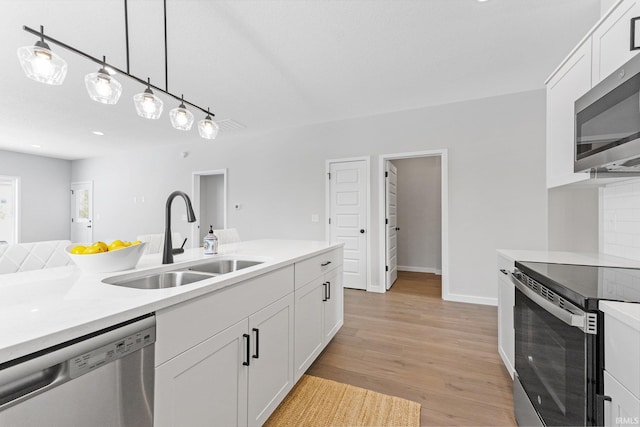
[628,313]
[578,258]
[42,308]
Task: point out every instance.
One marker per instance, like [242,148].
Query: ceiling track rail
[116,69]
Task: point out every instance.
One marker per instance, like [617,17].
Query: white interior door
[348,218]
[391,221]
[9,218]
[82,212]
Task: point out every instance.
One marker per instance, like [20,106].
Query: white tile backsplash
[621,219]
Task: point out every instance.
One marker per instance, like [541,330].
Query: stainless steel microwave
[607,123]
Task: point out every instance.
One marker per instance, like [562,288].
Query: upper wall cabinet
[569,83]
[611,40]
[605,48]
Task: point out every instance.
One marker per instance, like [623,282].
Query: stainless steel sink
[183,276]
[222,266]
[167,279]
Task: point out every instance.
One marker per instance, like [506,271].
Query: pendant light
[102,87]
[181,118]
[207,128]
[147,104]
[41,64]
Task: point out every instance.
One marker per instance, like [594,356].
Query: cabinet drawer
[625,407]
[309,269]
[185,325]
[622,353]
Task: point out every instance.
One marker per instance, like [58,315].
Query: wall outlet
[315,218]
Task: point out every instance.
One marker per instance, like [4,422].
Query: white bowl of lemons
[100,257]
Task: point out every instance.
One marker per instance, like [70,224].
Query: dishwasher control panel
[94,359]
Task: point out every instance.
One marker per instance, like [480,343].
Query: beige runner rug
[316,402]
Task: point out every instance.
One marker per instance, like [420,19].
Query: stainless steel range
[559,336]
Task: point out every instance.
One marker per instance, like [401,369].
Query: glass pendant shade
[181,118]
[148,105]
[207,128]
[102,87]
[41,64]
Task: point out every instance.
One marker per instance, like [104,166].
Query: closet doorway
[209,203]
[413,203]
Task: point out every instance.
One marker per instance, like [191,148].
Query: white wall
[44,195]
[573,219]
[497,194]
[605,5]
[621,219]
[419,219]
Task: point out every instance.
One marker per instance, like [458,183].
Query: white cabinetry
[569,83]
[233,377]
[319,307]
[611,40]
[506,297]
[621,363]
[271,361]
[205,385]
[604,49]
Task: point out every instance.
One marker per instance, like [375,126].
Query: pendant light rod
[99,61]
[126,31]
[166,61]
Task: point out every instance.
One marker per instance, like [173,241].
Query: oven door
[551,362]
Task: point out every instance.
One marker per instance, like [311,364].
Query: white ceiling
[271,64]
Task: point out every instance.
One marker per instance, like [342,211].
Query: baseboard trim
[420,269]
[470,299]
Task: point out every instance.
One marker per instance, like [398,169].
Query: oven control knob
[539,400]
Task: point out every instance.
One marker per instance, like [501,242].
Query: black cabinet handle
[632,45]
[324,264]
[362,230]
[257,355]
[248,337]
[324,298]
[329,288]
[503,271]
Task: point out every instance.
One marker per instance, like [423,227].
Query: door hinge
[386,174]
[329,220]
[71,219]
[72,192]
[386,220]
[329,173]
[386,268]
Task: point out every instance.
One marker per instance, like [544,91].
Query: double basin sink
[182,276]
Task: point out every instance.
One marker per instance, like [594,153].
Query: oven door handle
[570,318]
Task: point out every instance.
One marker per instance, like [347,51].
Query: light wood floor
[412,344]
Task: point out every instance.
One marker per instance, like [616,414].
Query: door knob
[362,230]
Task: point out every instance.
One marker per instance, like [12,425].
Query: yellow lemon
[137,242]
[78,249]
[92,250]
[101,245]
[116,243]
[127,244]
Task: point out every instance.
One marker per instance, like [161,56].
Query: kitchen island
[291,302]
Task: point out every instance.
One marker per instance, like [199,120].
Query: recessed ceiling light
[482,1]
[35,145]
[97,132]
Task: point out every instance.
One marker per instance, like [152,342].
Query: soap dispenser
[210,242]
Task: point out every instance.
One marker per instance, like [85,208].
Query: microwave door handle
[571,319]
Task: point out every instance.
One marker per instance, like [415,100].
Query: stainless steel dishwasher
[101,379]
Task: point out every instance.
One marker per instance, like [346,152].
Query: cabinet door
[571,82]
[206,385]
[624,407]
[271,369]
[309,333]
[506,334]
[611,47]
[333,312]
